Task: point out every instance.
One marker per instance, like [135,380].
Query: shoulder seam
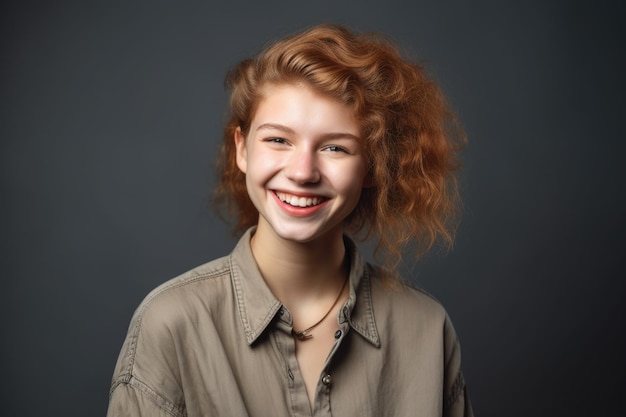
[156,398]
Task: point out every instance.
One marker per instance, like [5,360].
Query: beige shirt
[216,342]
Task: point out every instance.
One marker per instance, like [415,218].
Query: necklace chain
[304,334]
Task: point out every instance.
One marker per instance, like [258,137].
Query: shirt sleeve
[146,380]
[456,399]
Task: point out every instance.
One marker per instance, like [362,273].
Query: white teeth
[299,201]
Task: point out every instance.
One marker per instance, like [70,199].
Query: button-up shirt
[216,342]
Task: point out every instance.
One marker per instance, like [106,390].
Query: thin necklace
[304,335]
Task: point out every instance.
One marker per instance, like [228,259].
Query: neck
[300,272]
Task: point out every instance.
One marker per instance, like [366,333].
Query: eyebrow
[274,126]
[286,129]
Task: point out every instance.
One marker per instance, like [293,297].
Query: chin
[297,236]
[303,234]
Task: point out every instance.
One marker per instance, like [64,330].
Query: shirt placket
[285,343]
[322,406]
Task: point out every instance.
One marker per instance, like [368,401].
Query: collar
[258,306]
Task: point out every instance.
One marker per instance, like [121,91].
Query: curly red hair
[410,135]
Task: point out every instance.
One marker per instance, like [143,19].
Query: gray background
[111,116]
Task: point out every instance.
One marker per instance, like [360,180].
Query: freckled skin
[302,144]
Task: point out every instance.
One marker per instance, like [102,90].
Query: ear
[242,153]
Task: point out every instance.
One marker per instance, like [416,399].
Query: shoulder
[173,306]
[415,326]
[162,319]
[407,311]
[404,299]
[198,287]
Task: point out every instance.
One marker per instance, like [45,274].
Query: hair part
[411,138]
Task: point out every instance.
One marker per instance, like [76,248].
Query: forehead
[301,107]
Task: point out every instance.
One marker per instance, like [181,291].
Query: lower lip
[297,211]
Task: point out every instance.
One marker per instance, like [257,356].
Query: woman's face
[303,161]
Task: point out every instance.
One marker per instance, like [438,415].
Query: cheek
[261,166]
[350,180]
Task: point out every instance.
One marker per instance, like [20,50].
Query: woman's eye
[334,148]
[276,140]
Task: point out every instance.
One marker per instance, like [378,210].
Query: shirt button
[326,379]
[338,334]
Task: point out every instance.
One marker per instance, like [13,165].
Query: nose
[302,167]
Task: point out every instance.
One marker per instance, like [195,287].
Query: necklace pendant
[301,335]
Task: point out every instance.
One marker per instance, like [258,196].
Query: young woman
[331,135]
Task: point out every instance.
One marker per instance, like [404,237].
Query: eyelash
[335,148]
[331,148]
[276,140]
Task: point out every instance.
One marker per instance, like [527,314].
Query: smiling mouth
[297,201]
